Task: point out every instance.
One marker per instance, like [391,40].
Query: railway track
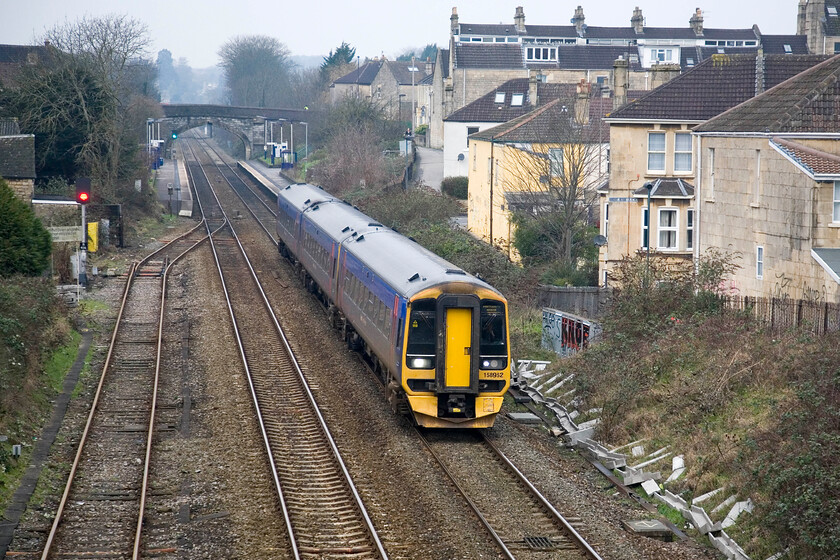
[520,520]
[322,509]
[102,508]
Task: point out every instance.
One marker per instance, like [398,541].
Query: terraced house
[651,143]
[769,187]
[552,159]
[480,56]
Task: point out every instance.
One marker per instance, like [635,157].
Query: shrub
[422,129]
[24,243]
[456,187]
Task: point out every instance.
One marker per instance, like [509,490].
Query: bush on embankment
[753,411]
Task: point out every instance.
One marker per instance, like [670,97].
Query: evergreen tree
[24,243]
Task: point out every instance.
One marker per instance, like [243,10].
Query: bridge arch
[246,123]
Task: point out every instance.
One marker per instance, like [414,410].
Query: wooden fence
[780,314]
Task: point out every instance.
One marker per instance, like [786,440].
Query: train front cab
[456,369]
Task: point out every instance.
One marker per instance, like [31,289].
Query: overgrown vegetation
[457,187]
[753,411]
[31,323]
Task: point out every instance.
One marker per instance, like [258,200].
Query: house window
[605,226]
[500,97]
[759,262]
[788,50]
[711,194]
[656,151]
[541,53]
[645,228]
[682,152]
[836,48]
[660,55]
[835,217]
[555,158]
[667,229]
[471,130]
[689,229]
[516,99]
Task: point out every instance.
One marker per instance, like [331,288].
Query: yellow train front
[456,356]
[437,336]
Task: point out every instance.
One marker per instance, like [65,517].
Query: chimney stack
[621,84]
[519,20]
[453,22]
[429,66]
[696,22]
[533,95]
[584,89]
[662,73]
[578,21]
[637,21]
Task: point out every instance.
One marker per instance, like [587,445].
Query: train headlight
[420,363]
[492,363]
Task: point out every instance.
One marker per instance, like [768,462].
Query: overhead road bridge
[251,124]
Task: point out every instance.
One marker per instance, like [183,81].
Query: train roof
[401,262]
[405,265]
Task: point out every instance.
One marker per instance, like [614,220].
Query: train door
[457,364]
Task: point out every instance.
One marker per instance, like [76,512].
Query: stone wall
[24,189]
[781,210]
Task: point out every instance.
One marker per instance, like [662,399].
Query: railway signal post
[82,198]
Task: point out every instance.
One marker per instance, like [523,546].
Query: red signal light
[83,190]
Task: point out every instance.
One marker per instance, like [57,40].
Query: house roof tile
[17,156]
[713,86]
[668,187]
[488,56]
[485,108]
[400,70]
[815,161]
[807,102]
[540,124]
[775,44]
[832,21]
[363,75]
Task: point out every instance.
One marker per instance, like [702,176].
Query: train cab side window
[422,335]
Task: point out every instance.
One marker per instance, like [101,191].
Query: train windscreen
[493,341]
[422,335]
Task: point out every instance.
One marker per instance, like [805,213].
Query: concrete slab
[651,528]
[737,510]
[524,417]
[649,486]
[706,496]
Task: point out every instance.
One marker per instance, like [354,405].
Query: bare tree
[256,69]
[76,102]
[554,160]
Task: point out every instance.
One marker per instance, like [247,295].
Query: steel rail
[63,502]
[305,385]
[577,537]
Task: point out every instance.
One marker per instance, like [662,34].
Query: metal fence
[780,314]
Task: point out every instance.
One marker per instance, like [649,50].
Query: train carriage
[437,335]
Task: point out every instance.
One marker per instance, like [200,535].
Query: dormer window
[500,97]
[541,54]
[689,62]
[517,99]
[832,11]
[788,50]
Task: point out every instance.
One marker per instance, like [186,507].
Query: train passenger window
[493,337]
[422,335]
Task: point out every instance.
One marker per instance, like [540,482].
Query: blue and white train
[436,335]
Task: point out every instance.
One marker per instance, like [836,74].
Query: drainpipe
[492,166]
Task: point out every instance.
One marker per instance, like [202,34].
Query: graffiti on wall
[566,333]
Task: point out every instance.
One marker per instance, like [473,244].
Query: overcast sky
[195,29]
